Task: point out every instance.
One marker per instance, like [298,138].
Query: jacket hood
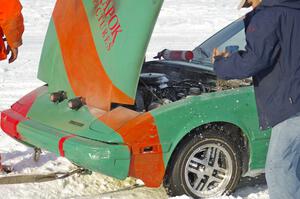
[96,49]
[286,3]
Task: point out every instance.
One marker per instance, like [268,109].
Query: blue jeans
[283,161]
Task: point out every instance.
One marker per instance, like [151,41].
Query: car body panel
[132,134]
[153,129]
[108,159]
[98,156]
[109,72]
[52,62]
[61,117]
[236,107]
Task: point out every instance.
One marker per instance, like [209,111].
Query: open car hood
[95,48]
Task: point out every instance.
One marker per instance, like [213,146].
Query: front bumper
[109,159]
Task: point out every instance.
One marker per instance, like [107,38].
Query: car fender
[174,121]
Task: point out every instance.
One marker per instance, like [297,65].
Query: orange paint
[11,25]
[142,133]
[85,71]
[2,46]
[89,79]
[116,118]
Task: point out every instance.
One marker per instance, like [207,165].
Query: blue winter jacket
[272,58]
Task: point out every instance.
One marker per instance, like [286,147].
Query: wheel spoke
[208,170]
[209,153]
[215,179]
[193,170]
[199,161]
[216,158]
[221,170]
[216,165]
[197,183]
[204,186]
[199,174]
[213,155]
[211,180]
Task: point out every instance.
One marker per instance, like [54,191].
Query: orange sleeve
[2,46]
[11,21]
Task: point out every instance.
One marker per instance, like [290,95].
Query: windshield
[232,35]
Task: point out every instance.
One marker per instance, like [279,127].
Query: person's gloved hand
[14,54]
[217,53]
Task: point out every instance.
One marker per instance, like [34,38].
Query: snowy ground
[183,24]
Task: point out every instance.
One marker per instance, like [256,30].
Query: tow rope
[38,178]
[109,193]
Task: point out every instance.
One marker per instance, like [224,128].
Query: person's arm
[11,22]
[261,52]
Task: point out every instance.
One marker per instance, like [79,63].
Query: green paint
[112,160]
[173,121]
[236,106]
[123,61]
[51,69]
[60,117]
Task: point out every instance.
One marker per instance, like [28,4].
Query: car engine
[157,89]
[162,83]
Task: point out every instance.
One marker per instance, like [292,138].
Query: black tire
[175,180]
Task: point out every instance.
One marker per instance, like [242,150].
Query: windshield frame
[204,50]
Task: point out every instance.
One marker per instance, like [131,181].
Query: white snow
[183,24]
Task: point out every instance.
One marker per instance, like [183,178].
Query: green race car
[165,122]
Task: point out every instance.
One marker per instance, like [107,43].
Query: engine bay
[162,83]
[165,82]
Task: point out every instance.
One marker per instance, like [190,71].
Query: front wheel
[206,165]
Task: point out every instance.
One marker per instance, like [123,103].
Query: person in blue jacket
[272,58]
